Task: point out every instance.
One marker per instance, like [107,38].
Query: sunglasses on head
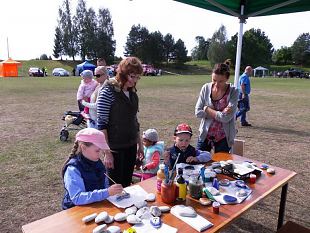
[98,75]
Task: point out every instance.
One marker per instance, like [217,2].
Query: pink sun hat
[94,136]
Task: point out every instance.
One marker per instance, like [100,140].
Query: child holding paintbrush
[182,151]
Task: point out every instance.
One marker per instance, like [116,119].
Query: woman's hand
[227,110]
[115,189]
[108,160]
[140,153]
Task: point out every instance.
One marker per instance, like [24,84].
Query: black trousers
[124,163]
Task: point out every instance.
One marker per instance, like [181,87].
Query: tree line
[91,35]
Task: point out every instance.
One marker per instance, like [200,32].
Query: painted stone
[119,217]
[133,219]
[101,217]
[187,211]
[109,219]
[89,218]
[164,208]
[155,211]
[271,170]
[131,210]
[144,213]
[113,229]
[100,229]
[229,199]
[140,204]
[150,197]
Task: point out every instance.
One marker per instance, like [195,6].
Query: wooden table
[71,220]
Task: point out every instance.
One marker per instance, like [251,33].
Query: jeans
[244,107]
[220,146]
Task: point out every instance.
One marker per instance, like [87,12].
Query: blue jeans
[220,146]
[244,107]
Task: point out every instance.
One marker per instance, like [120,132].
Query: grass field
[31,154]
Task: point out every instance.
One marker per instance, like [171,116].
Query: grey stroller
[73,121]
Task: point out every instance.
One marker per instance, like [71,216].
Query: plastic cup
[252,178]
[216,207]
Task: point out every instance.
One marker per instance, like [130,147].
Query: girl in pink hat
[84,173]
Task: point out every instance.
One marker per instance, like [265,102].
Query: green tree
[200,52]
[217,51]
[282,56]
[155,48]
[168,47]
[105,43]
[43,57]
[58,47]
[256,48]
[180,52]
[136,44]
[301,49]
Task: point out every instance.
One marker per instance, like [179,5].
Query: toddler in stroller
[73,121]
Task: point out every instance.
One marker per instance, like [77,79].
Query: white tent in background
[260,71]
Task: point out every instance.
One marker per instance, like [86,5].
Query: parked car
[149,70]
[60,72]
[35,72]
[292,72]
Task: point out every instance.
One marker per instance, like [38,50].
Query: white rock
[131,210]
[113,229]
[271,170]
[140,204]
[89,218]
[101,217]
[109,219]
[164,208]
[155,211]
[187,211]
[144,213]
[119,217]
[150,197]
[100,229]
[133,219]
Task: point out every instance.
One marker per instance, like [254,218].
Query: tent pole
[239,47]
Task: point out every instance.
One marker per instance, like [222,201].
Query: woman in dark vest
[84,173]
[117,108]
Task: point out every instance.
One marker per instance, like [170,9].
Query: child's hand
[192,159]
[166,156]
[115,189]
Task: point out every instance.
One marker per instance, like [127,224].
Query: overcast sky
[30,25]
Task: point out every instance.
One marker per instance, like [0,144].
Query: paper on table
[198,223]
[232,191]
[137,193]
[147,227]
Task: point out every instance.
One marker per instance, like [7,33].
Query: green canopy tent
[244,9]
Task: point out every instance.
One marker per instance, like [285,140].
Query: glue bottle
[160,176]
[181,186]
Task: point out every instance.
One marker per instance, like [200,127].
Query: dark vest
[174,151]
[123,125]
[92,174]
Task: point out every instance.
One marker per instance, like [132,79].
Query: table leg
[282,206]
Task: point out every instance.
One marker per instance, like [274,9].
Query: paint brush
[112,180]
[174,166]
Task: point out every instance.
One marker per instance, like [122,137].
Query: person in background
[182,148]
[217,106]
[101,74]
[83,173]
[153,150]
[117,108]
[101,62]
[244,87]
[86,88]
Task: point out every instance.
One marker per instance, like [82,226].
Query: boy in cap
[183,149]
[86,88]
[153,150]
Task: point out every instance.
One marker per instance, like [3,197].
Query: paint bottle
[181,186]
[160,177]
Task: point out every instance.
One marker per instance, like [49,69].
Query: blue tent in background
[86,65]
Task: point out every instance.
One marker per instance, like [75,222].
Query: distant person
[101,62]
[244,87]
[43,71]
[117,109]
[83,173]
[73,72]
[182,148]
[86,88]
[217,106]
[101,74]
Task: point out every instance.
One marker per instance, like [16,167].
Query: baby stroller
[73,121]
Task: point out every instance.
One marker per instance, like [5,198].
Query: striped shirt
[105,100]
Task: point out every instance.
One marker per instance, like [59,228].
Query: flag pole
[7,45]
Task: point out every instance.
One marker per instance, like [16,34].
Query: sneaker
[246,124]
